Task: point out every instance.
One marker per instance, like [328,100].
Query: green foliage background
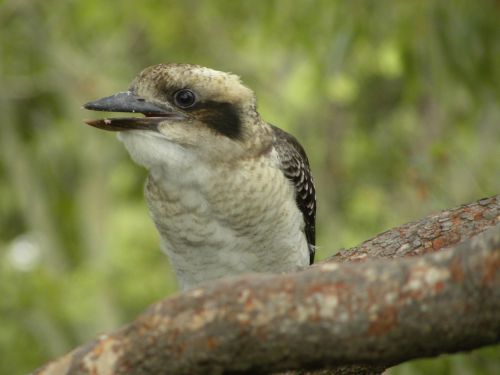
[396,103]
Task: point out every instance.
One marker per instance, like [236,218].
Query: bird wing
[295,166]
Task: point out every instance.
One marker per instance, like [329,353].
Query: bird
[228,192]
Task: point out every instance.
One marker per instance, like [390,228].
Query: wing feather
[295,166]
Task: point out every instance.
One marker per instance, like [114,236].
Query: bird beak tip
[92,122]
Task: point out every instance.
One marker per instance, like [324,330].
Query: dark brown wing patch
[295,166]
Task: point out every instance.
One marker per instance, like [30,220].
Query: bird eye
[184,98]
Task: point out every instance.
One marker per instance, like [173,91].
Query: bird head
[189,112]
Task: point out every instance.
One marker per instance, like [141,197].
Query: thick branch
[378,312]
[430,234]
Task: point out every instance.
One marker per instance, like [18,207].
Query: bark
[430,234]
[374,314]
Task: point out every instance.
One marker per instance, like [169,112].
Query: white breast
[222,220]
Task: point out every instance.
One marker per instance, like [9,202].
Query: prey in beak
[128,102]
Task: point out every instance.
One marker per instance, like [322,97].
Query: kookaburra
[228,192]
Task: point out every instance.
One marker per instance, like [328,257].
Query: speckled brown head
[189,105]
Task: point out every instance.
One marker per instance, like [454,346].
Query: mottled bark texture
[430,234]
[374,314]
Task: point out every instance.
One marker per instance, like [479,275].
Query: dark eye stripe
[222,117]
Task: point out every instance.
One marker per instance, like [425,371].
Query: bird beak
[129,102]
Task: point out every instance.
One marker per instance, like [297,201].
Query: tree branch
[377,313]
[430,234]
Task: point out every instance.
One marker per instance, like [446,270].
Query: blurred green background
[396,102]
